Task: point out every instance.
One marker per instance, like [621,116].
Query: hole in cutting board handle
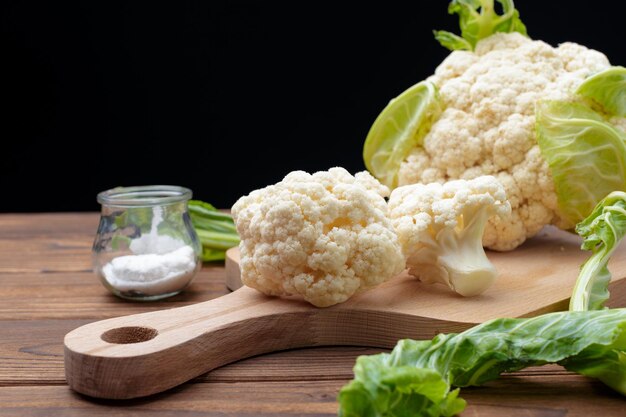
[127,335]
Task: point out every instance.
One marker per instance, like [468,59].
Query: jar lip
[144,195]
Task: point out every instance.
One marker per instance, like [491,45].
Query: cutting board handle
[143,354]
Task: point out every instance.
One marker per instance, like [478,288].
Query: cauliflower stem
[461,260]
[477,25]
[441,226]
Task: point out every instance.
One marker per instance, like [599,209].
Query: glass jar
[146,247]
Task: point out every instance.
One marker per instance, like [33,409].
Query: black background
[219,96]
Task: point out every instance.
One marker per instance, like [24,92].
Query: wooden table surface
[47,289]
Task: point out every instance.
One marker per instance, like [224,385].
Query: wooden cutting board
[143,354]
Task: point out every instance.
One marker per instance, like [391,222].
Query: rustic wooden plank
[546,396]
[310,364]
[30,225]
[54,242]
[46,242]
[45,254]
[82,296]
[320,364]
[534,279]
[558,396]
[276,384]
[217,399]
[31,353]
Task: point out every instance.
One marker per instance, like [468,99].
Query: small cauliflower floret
[323,236]
[440,227]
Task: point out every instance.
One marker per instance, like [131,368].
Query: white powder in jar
[152,242]
[152,274]
[159,264]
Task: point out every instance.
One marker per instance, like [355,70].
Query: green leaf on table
[400,392]
[212,255]
[591,343]
[215,229]
[601,231]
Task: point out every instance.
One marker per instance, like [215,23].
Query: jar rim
[144,195]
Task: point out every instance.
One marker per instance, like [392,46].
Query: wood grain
[32,354]
[166,348]
[46,242]
[519,396]
[80,295]
[537,277]
[290,383]
[304,398]
[26,226]
[543,396]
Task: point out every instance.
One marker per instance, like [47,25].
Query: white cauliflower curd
[487,125]
[323,236]
[440,227]
[547,122]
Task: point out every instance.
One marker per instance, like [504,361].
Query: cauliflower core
[323,236]
[440,227]
[488,125]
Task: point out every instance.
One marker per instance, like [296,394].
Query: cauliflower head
[487,126]
[440,227]
[323,236]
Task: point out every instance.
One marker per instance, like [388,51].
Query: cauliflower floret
[440,227]
[488,126]
[323,236]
